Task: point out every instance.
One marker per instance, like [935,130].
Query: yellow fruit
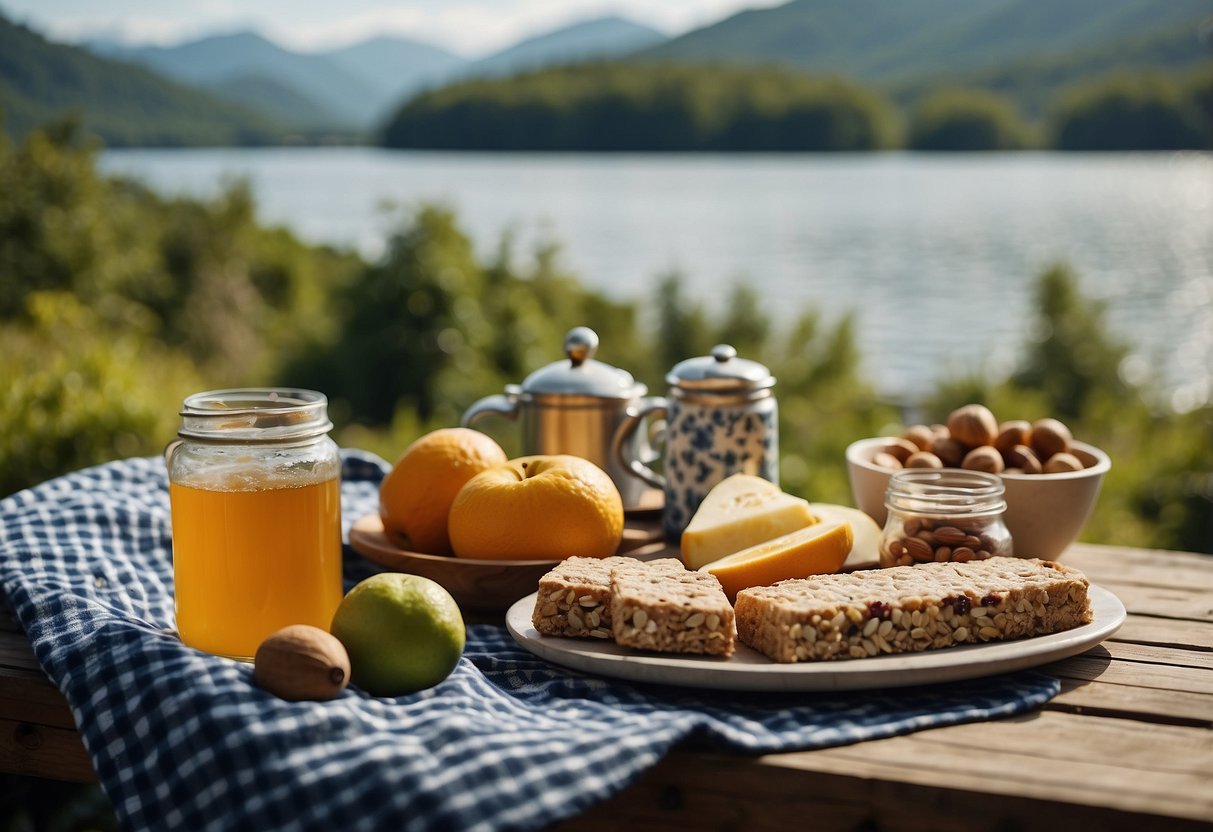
[403,633]
[416,495]
[740,511]
[538,508]
[865,533]
[814,550]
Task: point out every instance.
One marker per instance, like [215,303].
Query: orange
[814,550]
[538,508]
[416,495]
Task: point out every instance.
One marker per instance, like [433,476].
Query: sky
[469,27]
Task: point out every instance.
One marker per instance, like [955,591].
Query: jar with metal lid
[943,515]
[721,419]
[254,487]
[574,406]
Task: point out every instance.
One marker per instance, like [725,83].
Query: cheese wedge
[818,549]
[737,513]
[865,551]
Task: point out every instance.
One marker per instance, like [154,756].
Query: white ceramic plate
[749,670]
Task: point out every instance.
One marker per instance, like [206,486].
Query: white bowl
[1045,512]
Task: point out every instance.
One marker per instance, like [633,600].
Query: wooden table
[1128,744]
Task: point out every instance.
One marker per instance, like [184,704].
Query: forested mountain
[218,62]
[125,105]
[356,87]
[881,41]
[607,37]
[393,67]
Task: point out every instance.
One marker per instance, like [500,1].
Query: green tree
[954,120]
[1128,113]
[73,392]
[1071,358]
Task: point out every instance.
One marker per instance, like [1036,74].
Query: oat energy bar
[907,609]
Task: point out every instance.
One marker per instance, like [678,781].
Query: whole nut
[923,459]
[1062,463]
[886,460]
[301,662]
[973,425]
[984,458]
[921,435]
[1049,437]
[918,549]
[1012,433]
[1023,458]
[949,451]
[898,447]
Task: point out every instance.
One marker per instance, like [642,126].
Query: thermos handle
[506,406]
[631,419]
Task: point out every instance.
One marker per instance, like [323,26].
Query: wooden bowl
[489,585]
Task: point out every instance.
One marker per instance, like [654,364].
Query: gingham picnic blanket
[183,740]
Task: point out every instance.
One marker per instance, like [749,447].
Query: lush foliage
[1133,113]
[115,303]
[965,120]
[612,106]
[657,107]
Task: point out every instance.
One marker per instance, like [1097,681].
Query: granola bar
[671,612]
[907,609]
[575,596]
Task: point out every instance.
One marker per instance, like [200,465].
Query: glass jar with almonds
[943,515]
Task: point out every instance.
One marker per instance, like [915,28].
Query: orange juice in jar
[254,484]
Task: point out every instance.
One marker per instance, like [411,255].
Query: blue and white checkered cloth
[183,740]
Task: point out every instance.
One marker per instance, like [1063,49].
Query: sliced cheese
[737,513]
[865,551]
[814,550]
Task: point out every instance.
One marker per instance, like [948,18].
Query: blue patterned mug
[721,419]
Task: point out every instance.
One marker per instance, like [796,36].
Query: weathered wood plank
[1029,772]
[1098,557]
[1193,635]
[1163,602]
[1099,664]
[43,751]
[1131,702]
[1051,757]
[1162,655]
[1149,568]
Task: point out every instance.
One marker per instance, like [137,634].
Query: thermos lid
[721,371]
[579,374]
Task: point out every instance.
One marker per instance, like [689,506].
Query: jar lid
[945,492]
[722,370]
[258,414]
[579,374]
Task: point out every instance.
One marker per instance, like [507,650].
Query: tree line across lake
[667,107]
[115,303]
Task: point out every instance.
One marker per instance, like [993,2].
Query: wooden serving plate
[490,585]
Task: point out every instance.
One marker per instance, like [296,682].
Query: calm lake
[935,255]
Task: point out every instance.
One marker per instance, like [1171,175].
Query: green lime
[404,633]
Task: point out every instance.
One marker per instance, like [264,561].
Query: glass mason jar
[254,485]
[943,515]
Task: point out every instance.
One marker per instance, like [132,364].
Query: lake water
[936,255]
